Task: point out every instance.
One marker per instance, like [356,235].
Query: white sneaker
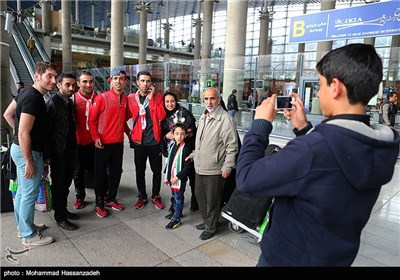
[39,229]
[37,240]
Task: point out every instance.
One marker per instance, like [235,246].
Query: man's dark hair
[21,84]
[390,94]
[84,72]
[65,75]
[42,66]
[358,67]
[144,72]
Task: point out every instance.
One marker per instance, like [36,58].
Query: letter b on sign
[298,28]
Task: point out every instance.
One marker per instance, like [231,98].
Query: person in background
[176,173]
[20,85]
[83,100]
[179,114]
[62,146]
[148,112]
[30,43]
[214,158]
[326,181]
[388,110]
[107,123]
[232,104]
[27,114]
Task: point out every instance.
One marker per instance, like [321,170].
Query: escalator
[21,60]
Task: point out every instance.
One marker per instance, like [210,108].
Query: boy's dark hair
[65,75]
[358,67]
[144,72]
[181,125]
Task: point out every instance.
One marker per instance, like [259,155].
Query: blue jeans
[27,192]
[178,201]
[232,113]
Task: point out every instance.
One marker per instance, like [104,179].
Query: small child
[176,174]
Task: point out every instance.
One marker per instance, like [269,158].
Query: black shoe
[67,225]
[173,224]
[169,216]
[206,235]
[201,226]
[72,216]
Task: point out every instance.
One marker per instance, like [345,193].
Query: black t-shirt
[30,101]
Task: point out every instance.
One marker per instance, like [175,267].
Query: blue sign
[373,20]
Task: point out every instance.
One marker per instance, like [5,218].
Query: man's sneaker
[39,229]
[173,224]
[79,203]
[37,240]
[101,211]
[141,202]
[115,205]
[157,202]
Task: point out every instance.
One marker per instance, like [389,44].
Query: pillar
[300,49]
[324,47]
[143,36]
[45,5]
[235,46]
[66,38]
[117,34]
[5,90]
[206,43]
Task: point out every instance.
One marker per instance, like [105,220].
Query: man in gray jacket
[214,158]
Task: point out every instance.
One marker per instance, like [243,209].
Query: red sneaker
[79,203]
[157,202]
[141,203]
[101,211]
[115,205]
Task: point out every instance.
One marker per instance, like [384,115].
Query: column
[144,8]
[117,34]
[5,90]
[66,38]
[45,5]
[235,46]
[77,11]
[92,8]
[301,49]
[324,47]
[263,48]
[206,43]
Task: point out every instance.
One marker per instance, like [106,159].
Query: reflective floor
[138,238]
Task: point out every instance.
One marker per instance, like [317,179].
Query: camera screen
[283,102]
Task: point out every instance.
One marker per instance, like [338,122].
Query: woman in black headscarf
[178,114]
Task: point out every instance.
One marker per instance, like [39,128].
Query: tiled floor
[133,238]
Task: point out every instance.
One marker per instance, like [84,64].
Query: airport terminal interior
[188,46]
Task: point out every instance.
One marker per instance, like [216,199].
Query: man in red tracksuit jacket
[107,123]
[147,113]
[83,100]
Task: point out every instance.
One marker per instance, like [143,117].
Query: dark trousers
[209,189]
[140,158]
[84,162]
[61,173]
[192,182]
[108,170]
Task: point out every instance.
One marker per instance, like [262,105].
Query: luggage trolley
[249,212]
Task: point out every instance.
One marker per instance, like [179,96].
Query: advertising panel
[373,20]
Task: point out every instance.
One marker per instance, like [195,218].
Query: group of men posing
[75,131]
[325,181]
